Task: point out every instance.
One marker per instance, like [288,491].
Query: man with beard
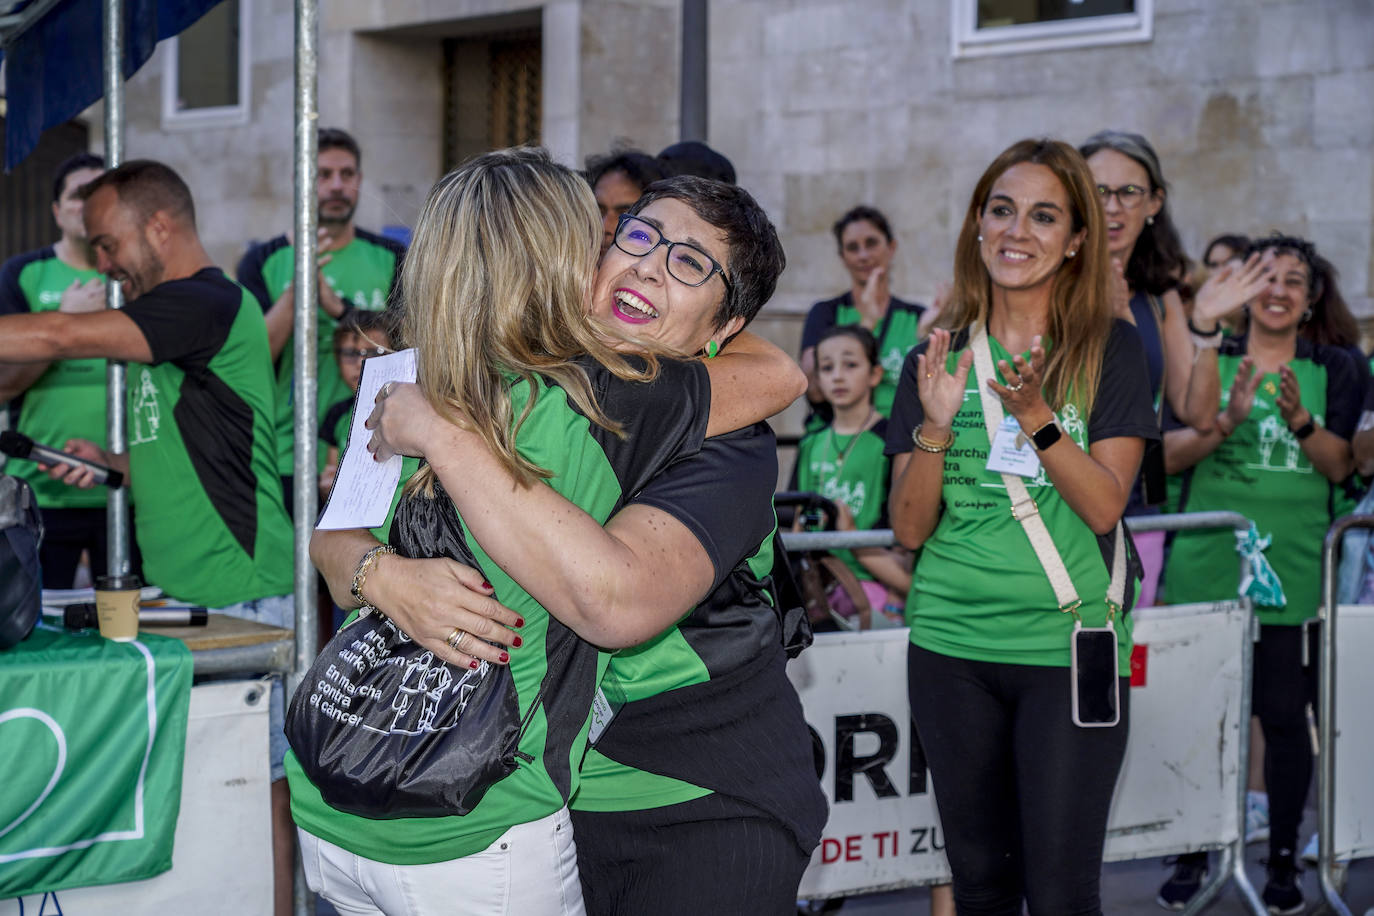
[357,269]
[200,459]
[54,402]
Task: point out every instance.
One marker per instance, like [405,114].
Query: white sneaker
[1310,853]
[1256,817]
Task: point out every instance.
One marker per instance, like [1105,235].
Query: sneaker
[1310,853]
[1256,817]
[1190,871]
[1282,896]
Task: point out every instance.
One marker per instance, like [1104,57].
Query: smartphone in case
[1095,675]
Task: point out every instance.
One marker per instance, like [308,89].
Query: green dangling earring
[712,348]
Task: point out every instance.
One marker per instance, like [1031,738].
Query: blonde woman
[497,285]
[1023,791]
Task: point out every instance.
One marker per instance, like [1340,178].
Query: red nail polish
[518,642]
[474,664]
[504,657]
[519,621]
[486,585]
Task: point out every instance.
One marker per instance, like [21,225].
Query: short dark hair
[338,138]
[756,257]
[861,213]
[147,186]
[361,321]
[692,157]
[73,164]
[857,332]
[1238,244]
[637,165]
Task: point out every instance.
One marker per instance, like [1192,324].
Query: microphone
[18,445]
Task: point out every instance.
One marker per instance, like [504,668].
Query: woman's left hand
[1021,394]
[1289,400]
[401,422]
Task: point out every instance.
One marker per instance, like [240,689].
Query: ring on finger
[1020,383]
[386,390]
[455,639]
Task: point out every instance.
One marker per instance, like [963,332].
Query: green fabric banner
[92,735]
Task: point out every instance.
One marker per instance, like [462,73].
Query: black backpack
[21,531]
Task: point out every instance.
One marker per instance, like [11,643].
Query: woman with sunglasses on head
[1275,453]
[549,404]
[1028,336]
[1150,264]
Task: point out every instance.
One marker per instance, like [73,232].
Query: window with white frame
[205,75]
[984,27]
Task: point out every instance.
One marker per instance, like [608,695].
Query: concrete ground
[1128,889]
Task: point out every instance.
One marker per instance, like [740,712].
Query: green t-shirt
[68,399]
[978,590]
[849,469]
[364,273]
[211,524]
[897,333]
[596,470]
[1261,472]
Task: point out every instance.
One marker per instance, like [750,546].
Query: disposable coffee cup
[116,606]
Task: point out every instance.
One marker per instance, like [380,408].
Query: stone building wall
[1261,113]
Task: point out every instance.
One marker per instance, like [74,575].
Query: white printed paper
[1012,452]
[363,487]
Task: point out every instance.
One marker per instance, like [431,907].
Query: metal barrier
[1232,850]
[1326,712]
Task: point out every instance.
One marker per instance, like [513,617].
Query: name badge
[1012,452]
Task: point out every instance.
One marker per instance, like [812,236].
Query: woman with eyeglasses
[649,537]
[1149,266]
[1276,453]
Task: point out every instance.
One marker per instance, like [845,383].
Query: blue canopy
[55,68]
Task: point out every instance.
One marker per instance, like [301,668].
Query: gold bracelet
[926,445]
[360,574]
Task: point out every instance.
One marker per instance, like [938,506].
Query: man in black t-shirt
[212,527]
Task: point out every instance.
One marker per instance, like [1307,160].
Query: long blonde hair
[1080,318]
[495,287]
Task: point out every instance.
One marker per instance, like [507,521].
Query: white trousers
[531,870]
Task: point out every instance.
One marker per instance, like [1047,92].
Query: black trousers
[709,855]
[1023,793]
[1283,687]
[66,533]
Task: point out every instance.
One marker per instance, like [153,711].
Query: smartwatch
[1307,429]
[1046,436]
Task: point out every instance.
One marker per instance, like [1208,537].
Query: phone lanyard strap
[1025,510]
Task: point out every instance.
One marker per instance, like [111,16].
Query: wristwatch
[1046,436]
[1307,429]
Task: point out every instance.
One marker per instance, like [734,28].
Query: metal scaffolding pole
[117,500]
[693,95]
[305,498]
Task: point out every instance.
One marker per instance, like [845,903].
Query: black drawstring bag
[21,576]
[385,729]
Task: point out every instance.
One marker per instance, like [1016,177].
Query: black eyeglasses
[686,263]
[350,353]
[1129,196]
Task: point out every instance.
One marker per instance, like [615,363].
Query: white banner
[1354,731]
[222,855]
[1179,786]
